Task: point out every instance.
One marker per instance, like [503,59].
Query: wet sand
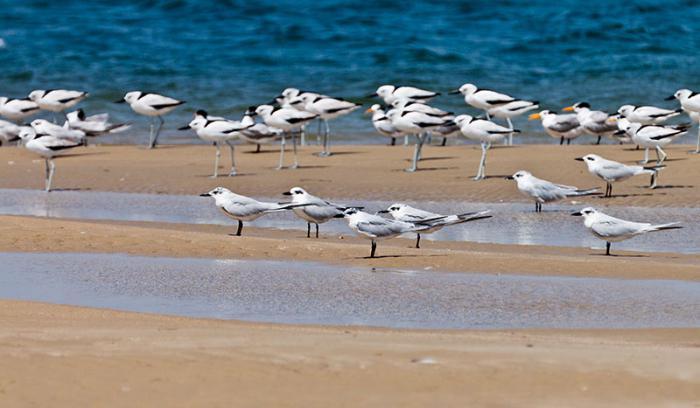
[63,356]
[354,171]
[29,234]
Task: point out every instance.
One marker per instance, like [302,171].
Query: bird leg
[47,179]
[444,142]
[405,140]
[598,142]
[654,176]
[482,163]
[154,140]
[646,156]
[294,149]
[216,160]
[607,248]
[568,142]
[316,230]
[283,144]
[303,135]
[697,148]
[416,153]
[561,142]
[232,148]
[240,228]
[393,141]
[417,240]
[326,140]
[152,129]
[660,155]
[374,249]
[510,135]
[257,149]
[308,230]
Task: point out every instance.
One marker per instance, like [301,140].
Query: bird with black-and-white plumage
[655,136]
[559,126]
[511,110]
[390,93]
[382,122]
[94,125]
[484,131]
[647,115]
[313,210]
[595,123]
[417,124]
[48,147]
[56,100]
[153,105]
[18,110]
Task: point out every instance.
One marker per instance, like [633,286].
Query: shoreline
[355,171]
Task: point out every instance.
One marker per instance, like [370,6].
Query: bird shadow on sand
[435,158]
[398,256]
[59,190]
[317,166]
[80,154]
[421,169]
[669,186]
[340,153]
[619,255]
[224,176]
[625,196]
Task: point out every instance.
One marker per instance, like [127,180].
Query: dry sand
[59,356]
[63,356]
[373,172]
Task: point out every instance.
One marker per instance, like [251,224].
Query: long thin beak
[184,127]
[339,216]
[670,98]
[272,102]
[453,92]
[205,195]
[383,212]
[509,178]
[577,214]
[619,133]
[287,193]
[534,116]
[568,109]
[120,101]
[374,95]
[579,158]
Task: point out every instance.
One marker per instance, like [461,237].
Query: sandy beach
[118,359]
[355,171]
[64,355]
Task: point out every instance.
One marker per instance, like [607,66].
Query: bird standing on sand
[315,210]
[48,147]
[612,171]
[483,99]
[417,124]
[690,103]
[595,123]
[656,136]
[287,119]
[375,227]
[95,125]
[562,127]
[647,115]
[406,213]
[544,191]
[326,108]
[611,229]
[153,105]
[382,123]
[484,131]
[242,208]
[217,131]
[44,127]
[511,110]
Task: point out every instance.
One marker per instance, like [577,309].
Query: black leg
[316,230]
[240,228]
[308,230]
[417,240]
[568,142]
[561,142]
[257,150]
[374,248]
[607,248]
[444,141]
[393,141]
[598,142]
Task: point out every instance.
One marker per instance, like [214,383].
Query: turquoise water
[225,55]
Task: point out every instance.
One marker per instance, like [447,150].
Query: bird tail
[454,219]
[590,191]
[287,206]
[119,127]
[669,226]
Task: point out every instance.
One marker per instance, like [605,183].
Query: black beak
[205,195]
[374,95]
[383,212]
[455,92]
[577,214]
[287,193]
[184,127]
[579,158]
[509,178]
[120,101]
[670,98]
[272,102]
[619,133]
[339,216]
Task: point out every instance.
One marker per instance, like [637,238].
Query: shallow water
[314,293]
[512,223]
[225,55]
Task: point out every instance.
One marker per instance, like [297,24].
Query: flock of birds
[405,113]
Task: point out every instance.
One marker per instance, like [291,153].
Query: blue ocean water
[225,55]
